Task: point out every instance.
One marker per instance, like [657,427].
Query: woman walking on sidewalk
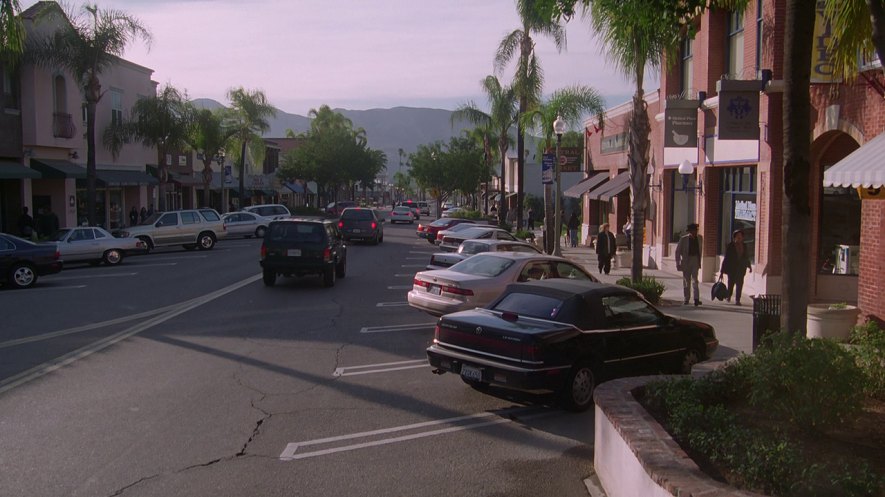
[735,264]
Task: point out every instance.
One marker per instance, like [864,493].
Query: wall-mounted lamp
[686,169]
[72,201]
[73,154]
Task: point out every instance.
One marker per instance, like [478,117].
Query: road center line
[377,368]
[403,275]
[90,276]
[391,304]
[397,327]
[413,265]
[400,287]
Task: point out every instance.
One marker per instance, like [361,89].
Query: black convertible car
[22,261]
[566,336]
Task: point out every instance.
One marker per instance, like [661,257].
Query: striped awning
[865,167]
[611,189]
[585,185]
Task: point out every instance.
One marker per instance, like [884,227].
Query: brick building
[729,80]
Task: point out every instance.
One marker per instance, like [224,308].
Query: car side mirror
[158,224]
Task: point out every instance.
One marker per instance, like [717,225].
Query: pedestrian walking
[150,211]
[735,265]
[530,218]
[142,214]
[606,247]
[573,224]
[628,232]
[689,252]
[26,225]
[133,216]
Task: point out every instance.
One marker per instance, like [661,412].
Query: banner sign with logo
[570,159]
[681,124]
[547,162]
[738,109]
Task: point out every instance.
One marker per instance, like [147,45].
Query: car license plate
[356,230]
[293,252]
[471,373]
[434,289]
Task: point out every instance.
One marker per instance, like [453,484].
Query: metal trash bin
[766,316]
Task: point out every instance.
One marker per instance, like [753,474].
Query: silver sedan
[245,224]
[476,281]
[94,245]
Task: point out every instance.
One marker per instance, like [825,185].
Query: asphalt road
[179,373]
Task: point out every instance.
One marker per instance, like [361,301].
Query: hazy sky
[354,54]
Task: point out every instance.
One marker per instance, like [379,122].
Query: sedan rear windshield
[297,232]
[483,266]
[528,304]
[358,214]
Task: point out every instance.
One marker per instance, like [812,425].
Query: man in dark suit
[606,247]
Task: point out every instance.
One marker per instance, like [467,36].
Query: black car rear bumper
[498,372]
[284,267]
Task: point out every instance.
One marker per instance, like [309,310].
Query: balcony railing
[63,125]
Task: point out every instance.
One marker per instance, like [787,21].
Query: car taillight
[263,251]
[57,255]
[374,225]
[327,254]
[458,291]
[420,228]
[436,333]
[422,283]
[531,352]
[340,224]
[439,237]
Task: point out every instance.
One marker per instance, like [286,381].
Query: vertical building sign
[681,124]
[822,70]
[739,109]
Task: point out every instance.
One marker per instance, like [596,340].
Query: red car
[429,231]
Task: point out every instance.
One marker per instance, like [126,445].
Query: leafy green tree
[12,32]
[403,182]
[528,81]
[485,137]
[208,136]
[500,119]
[442,169]
[858,27]
[249,114]
[86,44]
[159,122]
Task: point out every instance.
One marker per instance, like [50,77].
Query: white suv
[191,228]
[270,211]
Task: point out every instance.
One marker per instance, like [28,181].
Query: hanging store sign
[681,124]
[570,159]
[822,68]
[547,162]
[738,109]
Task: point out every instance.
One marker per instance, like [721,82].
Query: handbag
[719,290]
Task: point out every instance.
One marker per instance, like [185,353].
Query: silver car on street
[95,245]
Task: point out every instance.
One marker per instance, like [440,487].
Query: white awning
[864,167]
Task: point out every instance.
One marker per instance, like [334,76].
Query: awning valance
[58,169]
[865,167]
[295,187]
[585,185]
[186,180]
[612,188]
[116,177]
[14,170]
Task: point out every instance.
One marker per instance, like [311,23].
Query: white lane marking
[156,258]
[391,304]
[476,421]
[421,252]
[397,327]
[73,356]
[403,275]
[379,368]
[413,265]
[90,276]
[400,287]
[52,288]
[152,264]
[416,258]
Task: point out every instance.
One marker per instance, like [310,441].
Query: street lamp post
[220,160]
[686,169]
[559,129]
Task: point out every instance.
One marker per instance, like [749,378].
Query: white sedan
[94,245]
[402,214]
[469,248]
[245,224]
[476,281]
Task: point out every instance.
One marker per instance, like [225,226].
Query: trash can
[766,316]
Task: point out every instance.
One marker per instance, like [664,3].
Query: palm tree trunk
[243,174]
[520,167]
[164,180]
[93,94]
[795,250]
[502,209]
[639,130]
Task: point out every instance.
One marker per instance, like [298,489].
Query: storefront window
[739,207]
[839,241]
[684,203]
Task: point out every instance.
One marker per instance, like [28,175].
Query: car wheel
[206,241]
[148,246]
[430,241]
[259,231]
[269,277]
[577,393]
[689,359]
[189,246]
[479,386]
[113,257]
[381,238]
[22,276]
[341,268]
[375,240]
[329,277]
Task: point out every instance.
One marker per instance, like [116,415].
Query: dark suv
[300,246]
[357,223]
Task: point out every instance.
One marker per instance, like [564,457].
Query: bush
[649,287]
[524,235]
[868,342]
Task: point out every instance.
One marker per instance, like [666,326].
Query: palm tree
[570,104]
[485,137]
[208,136]
[249,118]
[12,33]
[501,117]
[858,27]
[86,44]
[529,78]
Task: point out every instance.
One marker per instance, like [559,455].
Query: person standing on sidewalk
[688,260]
[735,265]
[606,247]
[573,224]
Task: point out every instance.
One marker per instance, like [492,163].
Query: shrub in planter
[524,235]
[649,287]
[868,348]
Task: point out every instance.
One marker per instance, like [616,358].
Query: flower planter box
[827,321]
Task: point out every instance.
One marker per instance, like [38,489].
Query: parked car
[191,228]
[22,261]
[416,211]
[95,245]
[452,230]
[424,207]
[245,224]
[429,231]
[469,248]
[453,212]
[336,208]
[269,211]
[451,241]
[402,214]
[566,336]
[296,247]
[476,281]
[358,223]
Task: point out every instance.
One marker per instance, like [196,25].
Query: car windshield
[402,210]
[441,222]
[297,232]
[472,248]
[59,235]
[483,266]
[357,214]
[472,232]
[528,304]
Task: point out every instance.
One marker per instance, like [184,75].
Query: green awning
[116,177]
[14,170]
[58,169]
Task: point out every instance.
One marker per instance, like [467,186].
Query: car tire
[691,357]
[479,386]
[148,245]
[381,238]
[259,231]
[22,275]
[577,392]
[329,277]
[341,268]
[375,240]
[112,257]
[205,241]
[269,277]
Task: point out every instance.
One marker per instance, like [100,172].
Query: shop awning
[58,169]
[585,185]
[862,168]
[116,177]
[14,170]
[612,188]
[186,179]
[295,187]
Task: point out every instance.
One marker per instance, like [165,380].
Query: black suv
[357,223]
[300,246]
